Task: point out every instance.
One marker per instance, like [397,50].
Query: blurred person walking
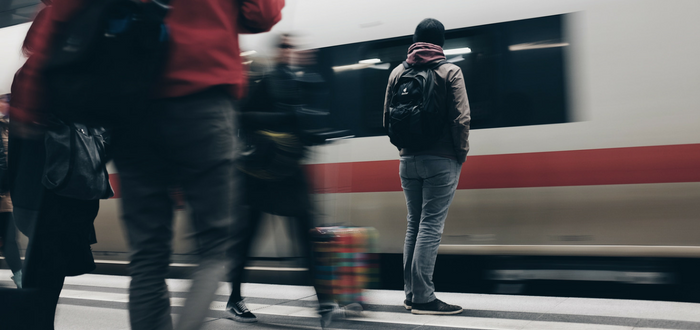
[185,137]
[431,161]
[272,178]
[8,230]
[60,229]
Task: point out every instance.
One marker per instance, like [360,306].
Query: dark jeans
[429,183]
[187,142]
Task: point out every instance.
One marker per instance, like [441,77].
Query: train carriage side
[583,141]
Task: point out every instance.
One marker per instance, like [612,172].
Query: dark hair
[430,30]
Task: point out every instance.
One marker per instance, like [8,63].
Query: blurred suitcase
[346,262]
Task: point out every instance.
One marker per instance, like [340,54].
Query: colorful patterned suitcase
[346,262]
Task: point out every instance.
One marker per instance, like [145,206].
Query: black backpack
[107,61]
[416,108]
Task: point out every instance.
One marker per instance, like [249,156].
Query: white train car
[584,140]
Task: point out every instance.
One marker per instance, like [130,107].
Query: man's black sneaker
[407,304]
[240,313]
[435,307]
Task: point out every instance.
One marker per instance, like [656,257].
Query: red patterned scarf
[423,52]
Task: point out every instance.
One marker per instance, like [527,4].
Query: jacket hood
[424,52]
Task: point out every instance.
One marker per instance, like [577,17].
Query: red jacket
[204,50]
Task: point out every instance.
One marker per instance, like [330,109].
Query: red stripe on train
[632,165]
[657,164]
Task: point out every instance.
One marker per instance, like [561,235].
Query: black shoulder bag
[76,159]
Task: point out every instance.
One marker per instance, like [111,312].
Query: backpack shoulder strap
[406,65]
[436,65]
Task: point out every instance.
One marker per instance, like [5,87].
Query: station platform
[100,302]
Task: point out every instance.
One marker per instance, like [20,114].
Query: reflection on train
[585,152]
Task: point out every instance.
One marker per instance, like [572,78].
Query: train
[585,151]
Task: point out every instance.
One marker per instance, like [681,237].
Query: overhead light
[456,59]
[370,61]
[248,53]
[383,66]
[360,66]
[457,51]
[536,45]
[351,67]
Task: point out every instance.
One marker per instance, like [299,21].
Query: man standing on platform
[431,160]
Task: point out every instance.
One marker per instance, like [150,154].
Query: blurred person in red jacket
[186,138]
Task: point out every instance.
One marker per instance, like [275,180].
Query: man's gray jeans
[185,142]
[429,183]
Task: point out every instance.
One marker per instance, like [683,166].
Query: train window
[13,12]
[513,71]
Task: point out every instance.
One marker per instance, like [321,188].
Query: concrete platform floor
[100,302]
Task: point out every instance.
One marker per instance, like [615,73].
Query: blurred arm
[459,114]
[258,16]
[27,88]
[387,99]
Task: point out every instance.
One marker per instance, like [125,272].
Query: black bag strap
[437,64]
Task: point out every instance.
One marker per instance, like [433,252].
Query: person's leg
[52,255]
[3,228]
[303,223]
[412,186]
[243,234]
[11,247]
[198,137]
[440,178]
[50,288]
[147,215]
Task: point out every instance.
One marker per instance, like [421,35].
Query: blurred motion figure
[272,179]
[60,229]
[185,137]
[429,174]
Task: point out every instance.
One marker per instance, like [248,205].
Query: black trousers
[289,197]
[187,142]
[60,247]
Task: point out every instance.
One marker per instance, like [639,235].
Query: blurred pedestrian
[273,180]
[429,171]
[8,230]
[60,229]
[185,138]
